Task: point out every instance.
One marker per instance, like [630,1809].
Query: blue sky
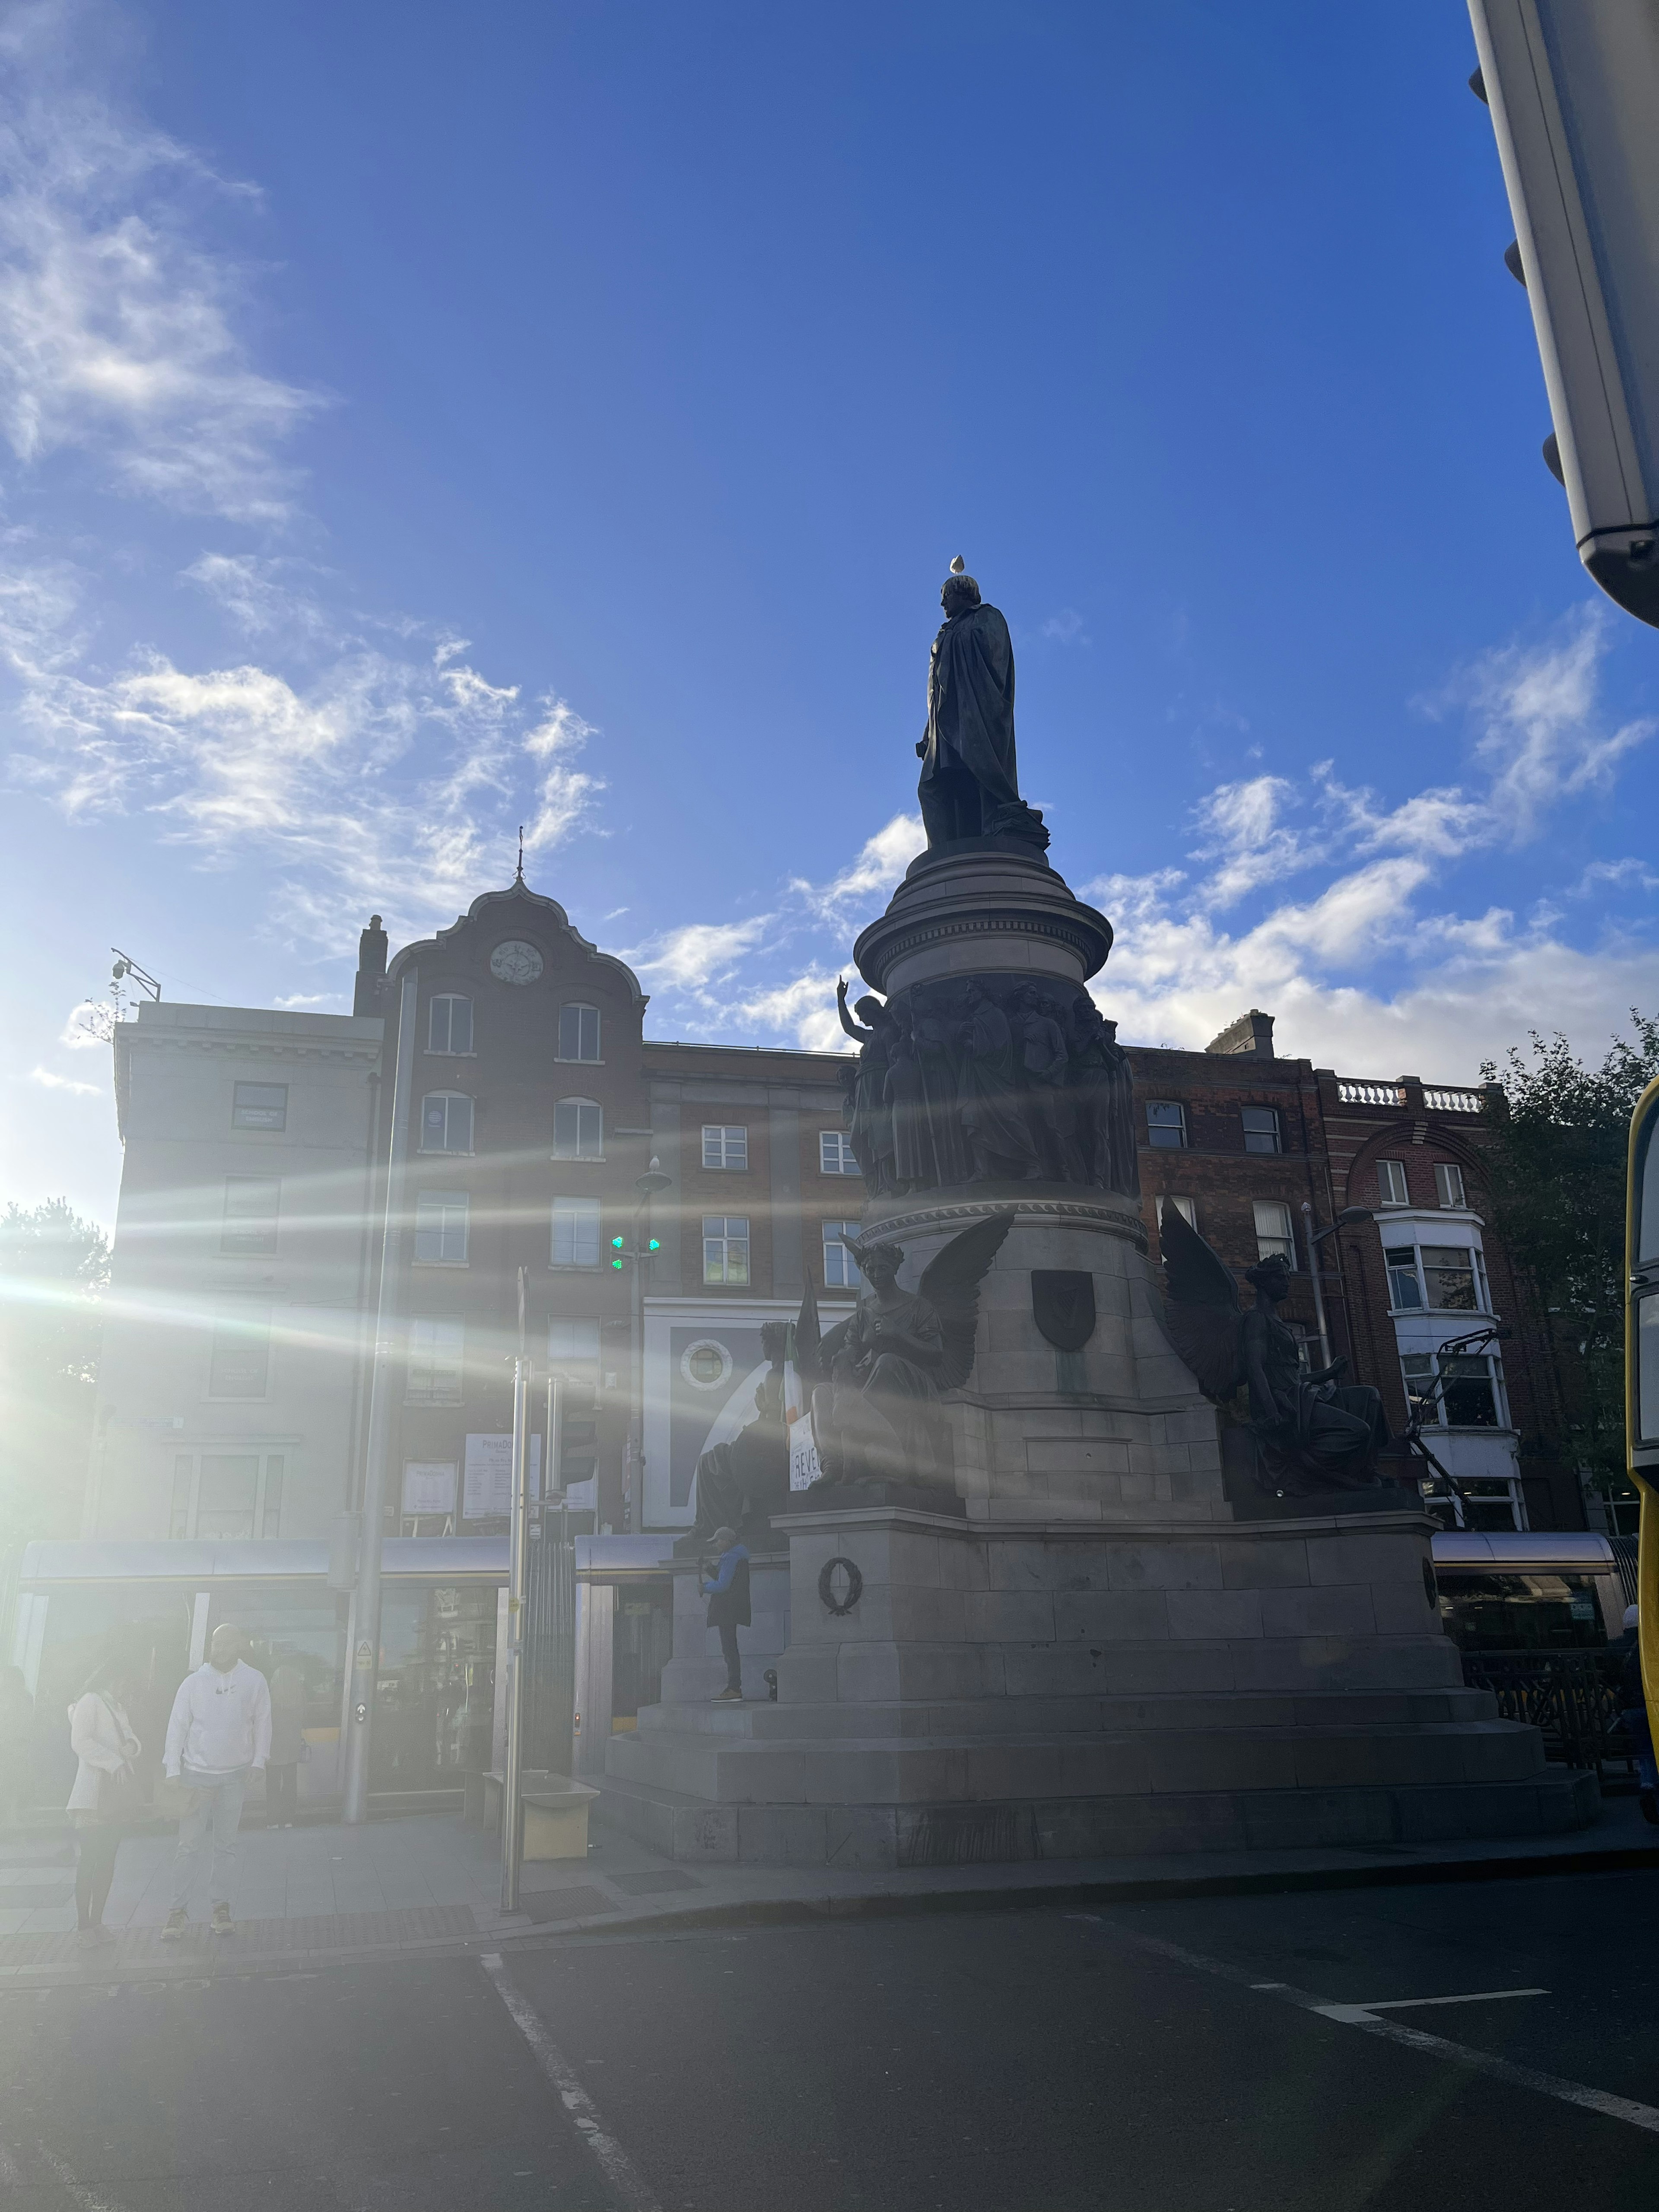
[416,421]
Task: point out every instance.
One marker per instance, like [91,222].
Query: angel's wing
[951,1282]
[824,1358]
[1201,1310]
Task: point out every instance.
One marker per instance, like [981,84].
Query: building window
[259,1106]
[445,1122]
[440,1228]
[249,1231]
[238,1365]
[271,1504]
[576,1232]
[1261,1129]
[227,1494]
[724,1147]
[1272,1230]
[184,1477]
[1391,1183]
[726,1248]
[435,1349]
[835,1153]
[1468,1393]
[579,1032]
[1405,1291]
[578,1130]
[1449,1271]
[840,1269]
[573,1353]
[1166,1124]
[1185,1207]
[449,1025]
[1449,1183]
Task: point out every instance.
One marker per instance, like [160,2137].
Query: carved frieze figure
[1103,1084]
[1045,1057]
[970,776]
[1313,1431]
[999,1138]
[915,1165]
[879,1375]
[872,1127]
[746,1480]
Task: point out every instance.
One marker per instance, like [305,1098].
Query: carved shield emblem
[1063,1304]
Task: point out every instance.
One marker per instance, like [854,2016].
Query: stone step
[737,1769]
[1554,1801]
[760,1718]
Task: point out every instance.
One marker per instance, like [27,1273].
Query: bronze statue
[740,1484]
[872,1118]
[1103,1084]
[1312,1431]
[880,1374]
[969,777]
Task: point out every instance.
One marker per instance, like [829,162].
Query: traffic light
[617,1246]
[1573,89]
[653,1244]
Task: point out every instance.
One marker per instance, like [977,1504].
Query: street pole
[517,1544]
[648,1185]
[366,1605]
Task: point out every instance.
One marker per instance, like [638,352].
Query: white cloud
[1064,627]
[118,330]
[1615,875]
[295,1000]
[881,862]
[50,1082]
[1240,824]
[699,954]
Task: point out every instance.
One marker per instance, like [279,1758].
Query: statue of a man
[970,784]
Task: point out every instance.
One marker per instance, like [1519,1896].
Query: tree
[53,1267]
[1557,1171]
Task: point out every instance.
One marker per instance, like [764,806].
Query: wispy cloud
[118,331]
[881,862]
[699,955]
[1064,627]
[45,1076]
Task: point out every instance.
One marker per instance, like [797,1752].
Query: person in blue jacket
[728,1605]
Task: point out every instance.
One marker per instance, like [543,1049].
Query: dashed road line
[613,2161]
[1408,2004]
[89,2200]
[1364,2018]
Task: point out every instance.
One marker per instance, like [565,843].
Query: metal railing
[1570,1697]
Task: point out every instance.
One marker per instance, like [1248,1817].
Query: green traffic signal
[616,1243]
[615,1263]
[653,1244]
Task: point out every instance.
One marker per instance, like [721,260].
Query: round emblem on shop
[840,1585]
[706,1365]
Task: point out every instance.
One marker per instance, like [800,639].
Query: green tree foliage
[1557,1168]
[53,1267]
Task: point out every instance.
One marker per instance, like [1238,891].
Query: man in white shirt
[219,1733]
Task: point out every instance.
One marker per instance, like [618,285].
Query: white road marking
[10,2177]
[89,2200]
[614,2162]
[1407,2004]
[1627,2109]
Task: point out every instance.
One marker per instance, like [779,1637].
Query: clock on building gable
[515,962]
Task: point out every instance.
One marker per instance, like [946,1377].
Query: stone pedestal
[1096,1657]
[697,1672]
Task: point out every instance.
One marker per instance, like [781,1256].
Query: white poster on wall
[487,1493]
[428,1485]
[803,1469]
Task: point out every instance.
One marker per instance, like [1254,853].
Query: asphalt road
[1129,2059]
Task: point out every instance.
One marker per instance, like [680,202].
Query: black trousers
[729,1653]
[281,1793]
[98,1841]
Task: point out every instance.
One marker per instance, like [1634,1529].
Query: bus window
[1538,1612]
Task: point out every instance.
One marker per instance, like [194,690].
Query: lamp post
[640,1255]
[1346,1219]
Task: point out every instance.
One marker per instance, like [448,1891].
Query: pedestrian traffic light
[616,1243]
[1573,89]
[653,1244]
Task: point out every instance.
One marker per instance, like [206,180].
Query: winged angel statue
[880,1374]
[1313,1431]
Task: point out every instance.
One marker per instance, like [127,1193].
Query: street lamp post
[1346,1219]
[639,1255]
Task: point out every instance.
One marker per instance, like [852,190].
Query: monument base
[1060,1690]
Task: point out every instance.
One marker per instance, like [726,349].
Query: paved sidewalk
[309,1896]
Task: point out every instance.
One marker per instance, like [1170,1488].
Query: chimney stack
[1250,1037]
[369,996]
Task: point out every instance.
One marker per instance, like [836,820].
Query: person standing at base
[219,1733]
[728,1605]
[105,1794]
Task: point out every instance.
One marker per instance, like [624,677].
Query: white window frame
[726,1147]
[833,1235]
[835,1153]
[1185,1206]
[1449,1186]
[269,1480]
[1477,1275]
[451,1099]
[1392,1270]
[586,1148]
[449,1049]
[1277,1242]
[229,1328]
[1494,1367]
[266,1248]
[1275,1131]
[437,1352]
[1392,1189]
[579,1057]
[436,1214]
[1179,1125]
[722,1231]
[575,1211]
[238,1108]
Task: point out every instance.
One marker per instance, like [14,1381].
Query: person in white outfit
[218,1734]
[102,1738]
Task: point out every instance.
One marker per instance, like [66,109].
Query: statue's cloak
[971,704]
